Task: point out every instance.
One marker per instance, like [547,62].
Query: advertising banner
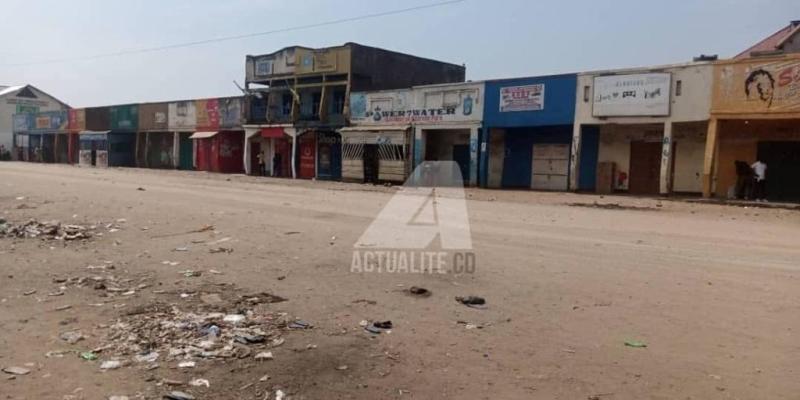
[522,98]
[632,95]
[757,86]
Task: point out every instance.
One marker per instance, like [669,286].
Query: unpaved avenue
[712,290]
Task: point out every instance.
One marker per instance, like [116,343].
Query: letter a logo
[430,204]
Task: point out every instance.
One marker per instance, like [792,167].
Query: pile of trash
[165,332]
[51,230]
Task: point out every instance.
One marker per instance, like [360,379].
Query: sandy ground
[712,290]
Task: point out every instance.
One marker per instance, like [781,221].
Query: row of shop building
[362,114]
[202,134]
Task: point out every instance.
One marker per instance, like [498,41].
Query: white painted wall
[8,107]
[402,103]
[690,145]
[694,103]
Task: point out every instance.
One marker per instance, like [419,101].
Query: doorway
[645,168]
[371,163]
[783,169]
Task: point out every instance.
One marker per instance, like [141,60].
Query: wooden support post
[708,162]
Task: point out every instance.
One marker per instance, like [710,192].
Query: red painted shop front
[228,152]
[219,151]
[307,149]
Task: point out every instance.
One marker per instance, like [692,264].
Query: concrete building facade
[641,131]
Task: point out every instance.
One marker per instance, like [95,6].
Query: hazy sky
[494,38]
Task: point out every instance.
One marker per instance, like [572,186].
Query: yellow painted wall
[329,61]
[757,85]
[738,140]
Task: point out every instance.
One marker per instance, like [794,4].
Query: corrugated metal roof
[772,42]
[4,90]
[202,135]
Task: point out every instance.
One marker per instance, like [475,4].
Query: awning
[383,135]
[95,132]
[373,128]
[272,132]
[203,135]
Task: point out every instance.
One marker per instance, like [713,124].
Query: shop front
[42,137]
[376,154]
[182,121]
[755,116]
[274,145]
[93,148]
[329,155]
[641,131]
[219,151]
[443,124]
[156,145]
[527,133]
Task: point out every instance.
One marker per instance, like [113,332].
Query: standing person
[276,164]
[744,180]
[760,182]
[262,168]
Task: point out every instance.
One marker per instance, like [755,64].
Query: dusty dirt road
[712,290]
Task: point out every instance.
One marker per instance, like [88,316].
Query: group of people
[751,181]
[276,164]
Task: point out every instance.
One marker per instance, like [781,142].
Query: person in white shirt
[760,184]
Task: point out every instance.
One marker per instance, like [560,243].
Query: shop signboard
[632,95]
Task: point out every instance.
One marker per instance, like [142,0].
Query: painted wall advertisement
[44,121]
[182,115]
[522,98]
[757,86]
[207,114]
[632,95]
[459,104]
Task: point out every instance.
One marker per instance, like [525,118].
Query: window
[678,87]
[338,102]
[586,93]
[286,104]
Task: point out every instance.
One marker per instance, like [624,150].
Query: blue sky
[500,38]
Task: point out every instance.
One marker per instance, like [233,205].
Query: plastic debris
[88,355]
[16,370]
[267,355]
[234,318]
[299,324]
[149,357]
[279,395]
[71,337]
[419,291]
[200,382]
[187,364]
[635,344]
[48,230]
[111,364]
[176,395]
[472,301]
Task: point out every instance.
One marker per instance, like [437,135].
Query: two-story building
[298,99]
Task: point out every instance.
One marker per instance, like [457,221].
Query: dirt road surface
[713,291]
